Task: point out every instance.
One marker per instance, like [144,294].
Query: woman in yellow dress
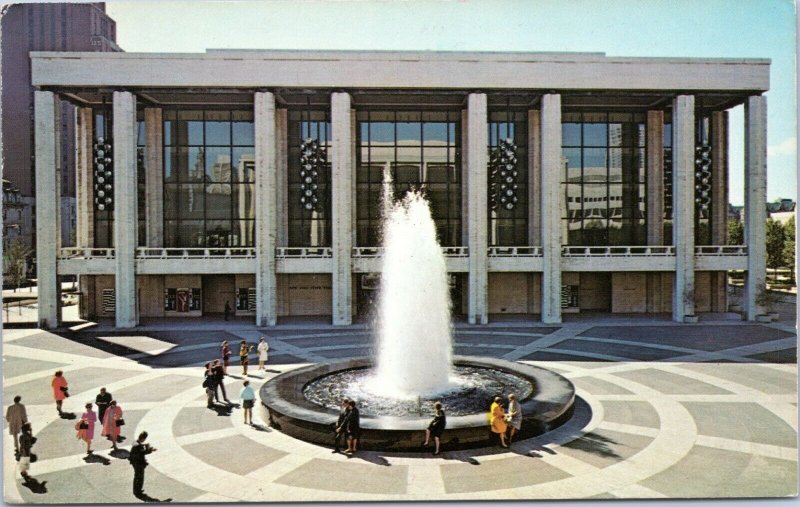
[497,420]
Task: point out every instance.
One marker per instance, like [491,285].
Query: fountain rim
[552,396]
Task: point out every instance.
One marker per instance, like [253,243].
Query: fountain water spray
[414,348]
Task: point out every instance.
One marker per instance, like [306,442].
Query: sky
[676,28]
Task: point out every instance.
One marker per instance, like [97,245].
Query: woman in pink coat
[87,434]
[59,384]
[110,418]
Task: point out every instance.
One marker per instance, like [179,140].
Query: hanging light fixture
[702,179]
[103,169]
[502,171]
[312,161]
[667,183]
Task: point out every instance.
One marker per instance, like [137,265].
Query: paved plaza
[664,410]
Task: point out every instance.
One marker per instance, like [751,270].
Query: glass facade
[510,227]
[309,228]
[421,149]
[604,179]
[209,178]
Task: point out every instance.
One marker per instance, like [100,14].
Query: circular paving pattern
[656,416]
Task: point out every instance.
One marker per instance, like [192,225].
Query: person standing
[353,428]
[244,356]
[102,401]
[219,375]
[248,397]
[209,385]
[26,441]
[262,349]
[436,427]
[341,426]
[16,416]
[227,310]
[85,427]
[515,419]
[111,423]
[60,389]
[226,356]
[138,461]
[497,420]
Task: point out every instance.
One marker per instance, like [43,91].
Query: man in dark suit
[341,425]
[138,462]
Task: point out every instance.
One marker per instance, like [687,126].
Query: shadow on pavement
[119,454]
[96,458]
[36,487]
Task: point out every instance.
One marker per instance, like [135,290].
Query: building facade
[30,27]
[558,182]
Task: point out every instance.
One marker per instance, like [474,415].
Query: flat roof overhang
[398,71]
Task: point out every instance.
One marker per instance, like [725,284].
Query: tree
[15,262]
[735,232]
[789,246]
[775,242]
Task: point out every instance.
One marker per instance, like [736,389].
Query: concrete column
[353,187]
[719,204]
[47,209]
[534,178]
[477,208]
[154,176]
[125,216]
[551,171]
[755,200]
[683,205]
[84,177]
[282,176]
[464,178]
[341,158]
[655,178]
[266,208]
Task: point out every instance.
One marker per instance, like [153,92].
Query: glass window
[605,200]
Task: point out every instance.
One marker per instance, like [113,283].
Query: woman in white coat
[262,349]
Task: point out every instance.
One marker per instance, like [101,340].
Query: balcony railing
[195,253]
[362,252]
[617,251]
[721,250]
[85,253]
[515,251]
[303,252]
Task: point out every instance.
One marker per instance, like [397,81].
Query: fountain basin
[283,403]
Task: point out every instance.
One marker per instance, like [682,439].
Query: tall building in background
[43,27]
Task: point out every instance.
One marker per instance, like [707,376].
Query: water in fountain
[414,346]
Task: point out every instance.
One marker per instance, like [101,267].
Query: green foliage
[775,244]
[735,232]
[789,246]
[15,261]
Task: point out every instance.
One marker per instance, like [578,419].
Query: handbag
[65,391]
[82,425]
[34,458]
[120,422]
[507,418]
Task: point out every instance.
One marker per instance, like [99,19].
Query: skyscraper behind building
[43,27]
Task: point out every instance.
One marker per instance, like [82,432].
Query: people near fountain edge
[436,427]
[248,397]
[262,349]
[112,423]
[16,416]
[226,356]
[85,427]
[219,376]
[353,425]
[102,401]
[244,356]
[26,441]
[60,389]
[513,417]
[339,429]
[497,420]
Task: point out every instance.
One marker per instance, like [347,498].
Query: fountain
[414,364]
